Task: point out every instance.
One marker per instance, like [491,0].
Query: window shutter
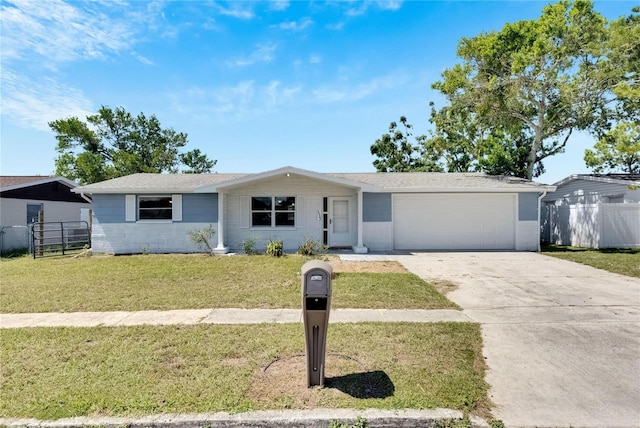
[176,207]
[130,207]
[245,212]
[301,212]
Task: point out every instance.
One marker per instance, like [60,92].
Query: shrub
[249,246]
[275,248]
[203,237]
[312,247]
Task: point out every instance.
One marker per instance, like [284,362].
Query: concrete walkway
[222,316]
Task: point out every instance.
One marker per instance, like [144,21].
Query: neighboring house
[361,211]
[592,210]
[23,197]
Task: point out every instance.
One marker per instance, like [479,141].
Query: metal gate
[59,237]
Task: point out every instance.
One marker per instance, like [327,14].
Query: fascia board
[70,184]
[540,189]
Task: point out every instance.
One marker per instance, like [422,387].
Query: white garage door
[454,222]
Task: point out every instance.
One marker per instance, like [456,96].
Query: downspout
[539,213]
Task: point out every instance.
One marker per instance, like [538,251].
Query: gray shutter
[301,212]
[176,207]
[245,212]
[130,207]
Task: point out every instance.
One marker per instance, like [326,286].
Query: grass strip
[164,282]
[52,373]
[622,261]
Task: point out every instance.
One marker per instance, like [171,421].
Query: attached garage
[454,221]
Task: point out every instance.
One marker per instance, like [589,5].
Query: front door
[340,227]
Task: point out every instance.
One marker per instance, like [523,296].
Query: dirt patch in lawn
[285,381]
[367,266]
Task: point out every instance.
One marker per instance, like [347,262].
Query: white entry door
[340,227]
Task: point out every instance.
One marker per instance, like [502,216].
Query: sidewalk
[222,316]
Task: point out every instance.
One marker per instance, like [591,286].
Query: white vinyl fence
[595,225]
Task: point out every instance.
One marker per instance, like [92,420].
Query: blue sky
[255,85]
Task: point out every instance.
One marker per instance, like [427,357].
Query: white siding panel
[454,222]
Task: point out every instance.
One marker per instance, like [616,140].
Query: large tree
[113,143]
[532,83]
[617,150]
[396,152]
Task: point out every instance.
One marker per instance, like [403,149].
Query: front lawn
[164,282]
[622,261]
[51,373]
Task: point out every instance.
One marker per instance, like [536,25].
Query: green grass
[164,282]
[51,373]
[622,261]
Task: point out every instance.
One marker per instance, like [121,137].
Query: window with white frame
[273,211]
[155,208]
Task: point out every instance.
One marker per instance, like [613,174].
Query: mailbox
[316,302]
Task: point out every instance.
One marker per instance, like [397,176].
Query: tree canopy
[114,143]
[616,151]
[519,93]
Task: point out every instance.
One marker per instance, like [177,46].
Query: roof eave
[574,177]
[63,180]
[519,189]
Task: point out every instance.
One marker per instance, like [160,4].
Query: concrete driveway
[561,340]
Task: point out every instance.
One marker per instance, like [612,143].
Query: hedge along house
[362,211]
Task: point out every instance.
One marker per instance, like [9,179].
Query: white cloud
[242,101]
[236,12]
[349,93]
[263,53]
[315,59]
[32,104]
[60,32]
[296,25]
[362,7]
[144,60]
[389,4]
[327,95]
[277,95]
[336,27]
[279,5]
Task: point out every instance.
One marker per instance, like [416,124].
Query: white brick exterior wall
[378,236]
[151,237]
[309,224]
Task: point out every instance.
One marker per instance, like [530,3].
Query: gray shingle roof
[374,181]
[437,180]
[145,182]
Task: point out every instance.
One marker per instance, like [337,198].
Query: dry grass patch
[165,282]
[366,266]
[52,373]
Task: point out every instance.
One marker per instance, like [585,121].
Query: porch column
[360,248]
[220,248]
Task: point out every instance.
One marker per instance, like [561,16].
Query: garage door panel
[454,222]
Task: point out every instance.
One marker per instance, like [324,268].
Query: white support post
[360,248]
[220,248]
